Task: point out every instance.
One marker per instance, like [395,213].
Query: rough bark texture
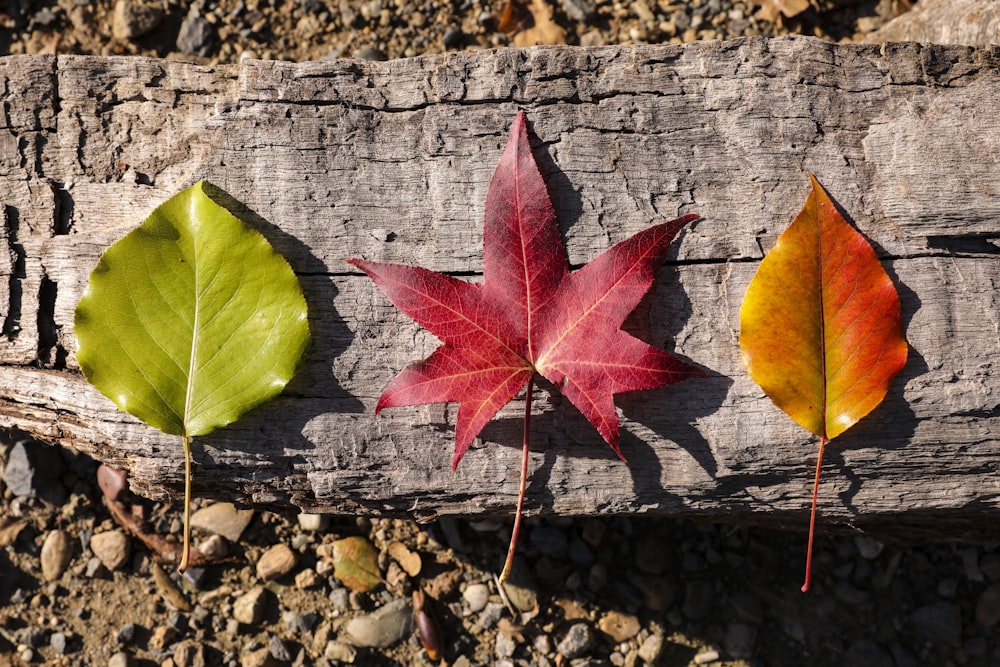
[390,161]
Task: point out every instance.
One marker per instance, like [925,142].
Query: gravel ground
[77,587]
[221,31]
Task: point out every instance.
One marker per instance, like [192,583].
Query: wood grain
[390,161]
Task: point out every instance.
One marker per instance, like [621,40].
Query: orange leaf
[820,325]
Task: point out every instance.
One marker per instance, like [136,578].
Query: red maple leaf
[530,315]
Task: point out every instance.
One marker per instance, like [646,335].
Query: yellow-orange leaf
[820,326]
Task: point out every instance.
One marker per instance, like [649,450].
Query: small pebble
[222,519]
[126,634]
[383,628]
[339,652]
[57,551]
[706,657]
[504,646]
[112,548]
[577,641]
[307,579]
[59,642]
[249,607]
[276,562]
[988,606]
[739,640]
[651,648]
[121,659]
[476,596]
[214,546]
[313,522]
[619,626]
[278,649]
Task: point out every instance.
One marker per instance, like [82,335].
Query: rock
[278,649]
[112,482]
[658,593]
[383,628]
[121,659]
[307,579]
[276,562]
[520,586]
[504,646]
[133,19]
[619,626]
[59,642]
[258,658]
[95,568]
[577,641]
[491,615]
[370,53]
[222,519]
[739,640]
[339,652]
[988,606]
[654,554]
[443,585]
[34,469]
[313,522]
[550,541]
[939,622]
[868,548]
[698,598]
[57,551]
[126,634]
[453,38]
[196,35]
[476,596]
[408,560]
[189,653]
[214,546]
[706,657]
[249,607]
[112,548]
[651,648]
[990,566]
[579,10]
[163,636]
[866,653]
[597,577]
[747,606]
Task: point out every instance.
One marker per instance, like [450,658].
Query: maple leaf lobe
[530,314]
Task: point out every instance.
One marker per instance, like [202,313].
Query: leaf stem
[812,518]
[187,503]
[524,484]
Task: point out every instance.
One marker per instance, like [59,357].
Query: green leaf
[191,319]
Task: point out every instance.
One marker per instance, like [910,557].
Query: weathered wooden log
[390,161]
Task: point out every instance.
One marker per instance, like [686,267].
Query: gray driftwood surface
[390,161]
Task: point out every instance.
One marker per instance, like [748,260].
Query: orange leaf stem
[812,518]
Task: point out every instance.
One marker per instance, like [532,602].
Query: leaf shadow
[272,435]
